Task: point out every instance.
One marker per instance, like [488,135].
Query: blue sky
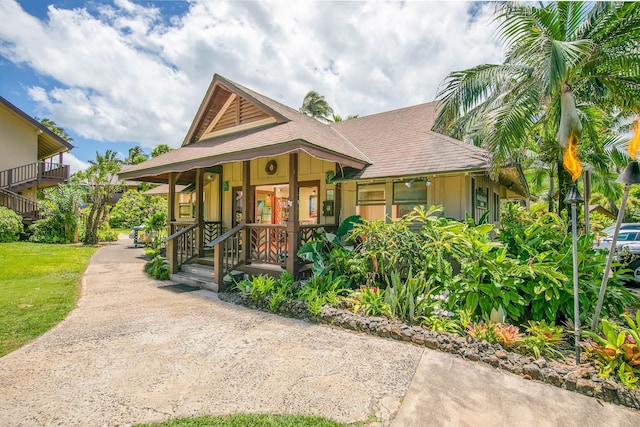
[120,73]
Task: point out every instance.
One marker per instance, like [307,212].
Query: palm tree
[101,179]
[560,57]
[316,106]
[136,155]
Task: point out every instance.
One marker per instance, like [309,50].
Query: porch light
[410,183]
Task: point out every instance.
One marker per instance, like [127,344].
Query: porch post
[293,223]
[172,248]
[247,209]
[200,211]
[388,201]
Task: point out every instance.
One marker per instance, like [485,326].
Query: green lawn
[243,420]
[38,286]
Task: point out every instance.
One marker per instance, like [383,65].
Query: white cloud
[124,72]
[75,164]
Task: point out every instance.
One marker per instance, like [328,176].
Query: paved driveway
[135,352]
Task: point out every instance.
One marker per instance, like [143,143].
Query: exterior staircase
[40,174]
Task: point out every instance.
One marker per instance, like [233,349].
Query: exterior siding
[18,141]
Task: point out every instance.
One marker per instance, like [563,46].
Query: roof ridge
[459,143]
[388,111]
[364,156]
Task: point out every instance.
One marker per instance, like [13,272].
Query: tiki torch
[630,176]
[573,198]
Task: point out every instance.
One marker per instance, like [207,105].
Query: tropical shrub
[543,339]
[617,349]
[158,268]
[370,301]
[60,206]
[134,208]
[10,225]
[156,226]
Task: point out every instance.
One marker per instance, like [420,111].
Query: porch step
[196,280]
[197,269]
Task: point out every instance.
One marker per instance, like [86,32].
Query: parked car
[625,237]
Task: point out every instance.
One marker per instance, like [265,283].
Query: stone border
[582,379]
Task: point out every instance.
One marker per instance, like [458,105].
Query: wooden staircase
[40,174]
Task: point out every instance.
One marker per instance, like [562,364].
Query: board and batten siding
[18,140]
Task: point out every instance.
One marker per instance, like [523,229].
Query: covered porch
[250,216]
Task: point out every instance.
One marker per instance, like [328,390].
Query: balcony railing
[33,174]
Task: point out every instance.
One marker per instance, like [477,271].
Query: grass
[242,420]
[38,288]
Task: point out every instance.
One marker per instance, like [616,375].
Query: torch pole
[612,251]
[576,299]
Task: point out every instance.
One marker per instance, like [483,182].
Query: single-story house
[266,176]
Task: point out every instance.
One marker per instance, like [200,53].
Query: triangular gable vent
[236,114]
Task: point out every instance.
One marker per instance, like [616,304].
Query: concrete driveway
[134,351]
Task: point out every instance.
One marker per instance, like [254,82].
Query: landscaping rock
[532,370]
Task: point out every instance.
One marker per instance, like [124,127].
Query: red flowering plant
[616,349]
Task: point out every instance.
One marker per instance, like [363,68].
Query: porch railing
[268,243]
[33,173]
[227,253]
[211,231]
[184,240]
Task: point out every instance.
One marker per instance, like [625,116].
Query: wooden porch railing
[184,244]
[227,253]
[23,206]
[33,174]
[268,243]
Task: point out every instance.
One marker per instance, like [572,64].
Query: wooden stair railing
[227,253]
[182,246]
[28,209]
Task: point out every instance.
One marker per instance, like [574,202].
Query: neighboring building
[31,160]
[272,176]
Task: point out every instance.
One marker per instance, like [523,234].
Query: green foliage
[10,225]
[543,339]
[160,149]
[101,182]
[617,349]
[156,225]
[134,208]
[106,234]
[409,299]
[61,206]
[158,268]
[370,301]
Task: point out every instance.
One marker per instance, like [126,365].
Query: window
[371,201]
[407,195]
[371,194]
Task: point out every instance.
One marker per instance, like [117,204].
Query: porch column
[200,211]
[247,209]
[388,201]
[172,248]
[293,223]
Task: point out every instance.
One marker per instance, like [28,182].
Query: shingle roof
[294,131]
[401,143]
[394,143]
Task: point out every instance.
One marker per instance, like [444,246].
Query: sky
[120,73]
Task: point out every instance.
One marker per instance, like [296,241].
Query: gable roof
[49,143]
[401,143]
[272,129]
